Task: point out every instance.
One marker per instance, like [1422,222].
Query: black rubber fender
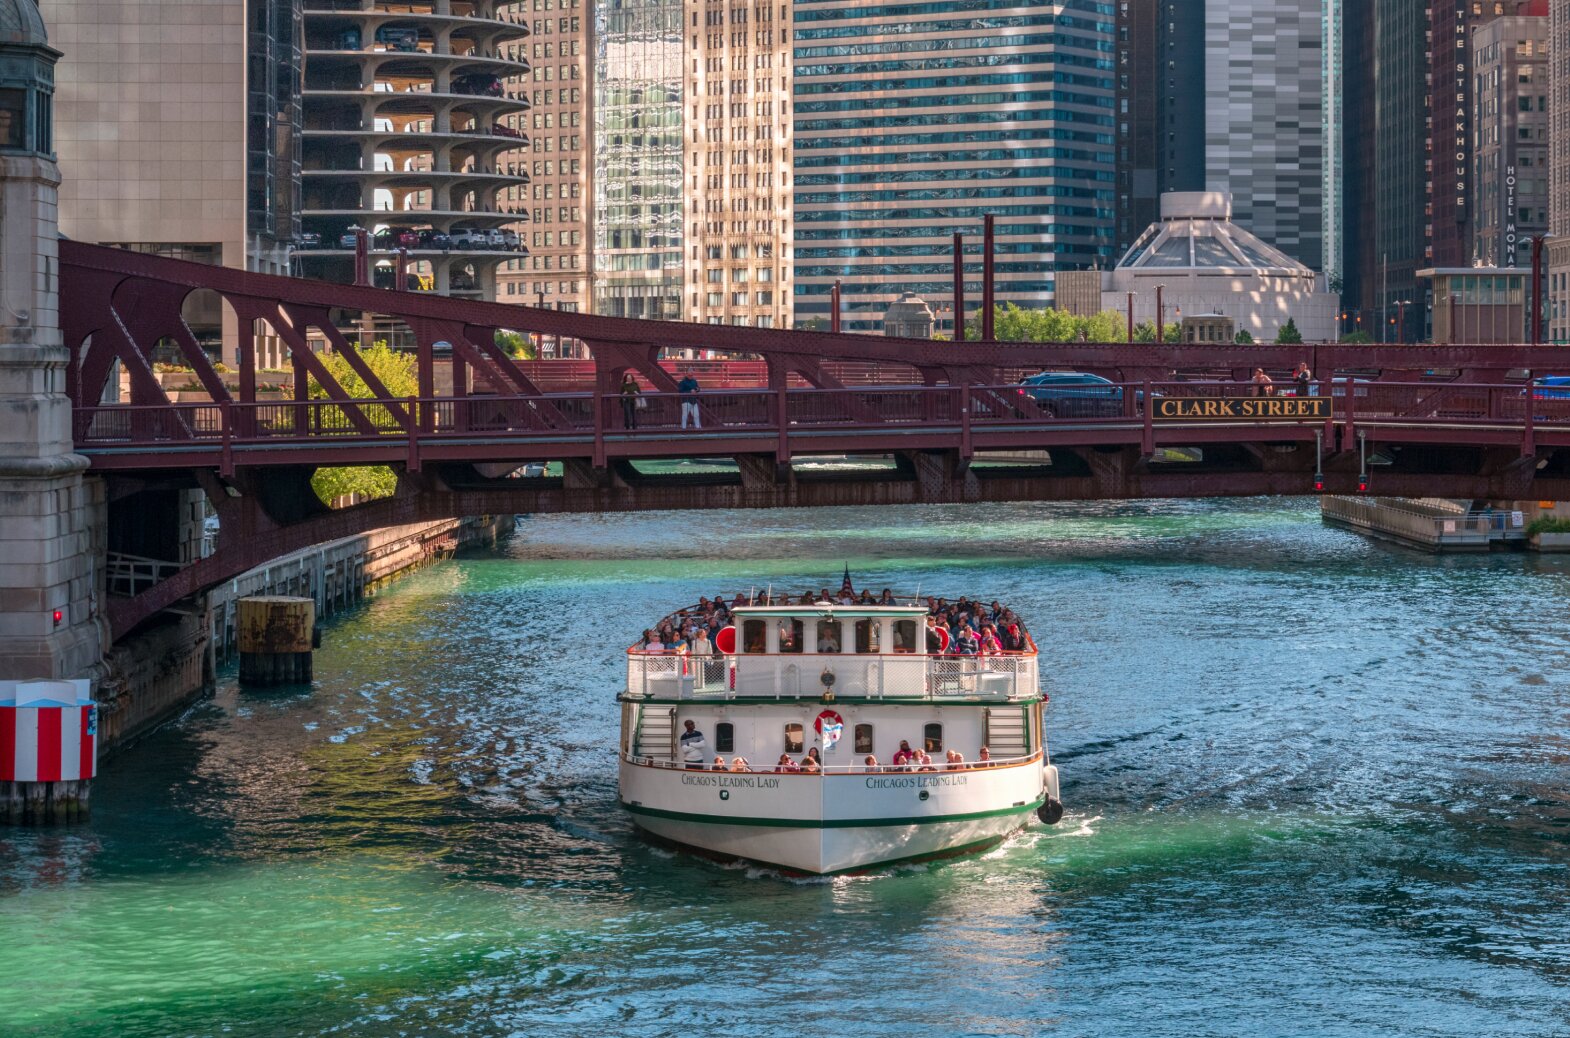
[1050,812]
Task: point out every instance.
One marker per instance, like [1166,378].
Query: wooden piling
[274,635]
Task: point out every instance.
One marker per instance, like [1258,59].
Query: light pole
[1131,317]
[1160,314]
[1401,305]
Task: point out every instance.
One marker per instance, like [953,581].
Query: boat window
[790,635]
[793,739]
[866,636]
[904,636]
[754,636]
[932,738]
[864,738]
[828,636]
[724,737]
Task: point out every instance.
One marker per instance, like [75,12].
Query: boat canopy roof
[823,610]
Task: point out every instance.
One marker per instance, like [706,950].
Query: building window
[724,737]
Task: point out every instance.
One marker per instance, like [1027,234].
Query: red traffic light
[1362,486]
[59,615]
[1319,484]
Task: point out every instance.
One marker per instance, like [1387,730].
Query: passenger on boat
[887,598]
[956,760]
[827,640]
[934,639]
[787,763]
[652,643]
[872,763]
[1011,639]
[903,755]
[984,758]
[924,759]
[701,646]
[693,746]
[989,641]
[739,764]
[719,764]
[809,766]
[813,756]
[965,643]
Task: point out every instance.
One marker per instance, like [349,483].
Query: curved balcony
[500,65]
[441,219]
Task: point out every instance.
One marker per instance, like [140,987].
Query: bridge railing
[654,414]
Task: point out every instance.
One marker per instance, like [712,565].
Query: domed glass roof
[1196,234]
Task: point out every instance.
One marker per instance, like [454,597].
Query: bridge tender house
[1246,409]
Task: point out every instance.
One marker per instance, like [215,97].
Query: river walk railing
[937,767]
[682,676]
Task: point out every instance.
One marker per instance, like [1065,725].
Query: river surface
[1315,786]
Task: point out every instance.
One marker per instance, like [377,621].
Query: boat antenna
[751,593]
[917,599]
[769,594]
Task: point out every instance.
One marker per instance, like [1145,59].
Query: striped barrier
[48,731]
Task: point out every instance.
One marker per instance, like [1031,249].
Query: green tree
[516,345]
[1145,331]
[1243,338]
[1289,335]
[1357,338]
[1107,326]
[395,371]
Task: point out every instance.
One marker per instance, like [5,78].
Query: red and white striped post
[48,750]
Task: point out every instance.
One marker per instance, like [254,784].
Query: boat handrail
[833,770]
[635,650]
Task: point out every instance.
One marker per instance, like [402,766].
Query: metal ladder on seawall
[1008,733]
[656,733]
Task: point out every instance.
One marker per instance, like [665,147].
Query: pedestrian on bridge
[688,388]
[629,401]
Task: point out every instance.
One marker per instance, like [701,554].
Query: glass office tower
[638,158]
[913,120]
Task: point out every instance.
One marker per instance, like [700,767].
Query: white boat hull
[821,825]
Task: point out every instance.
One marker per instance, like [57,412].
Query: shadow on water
[1315,787]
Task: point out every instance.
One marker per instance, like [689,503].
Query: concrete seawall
[153,675]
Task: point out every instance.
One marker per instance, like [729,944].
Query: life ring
[725,640]
[827,717]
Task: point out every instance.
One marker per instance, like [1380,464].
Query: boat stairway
[656,732]
[1008,732]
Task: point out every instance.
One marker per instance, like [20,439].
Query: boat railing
[682,676]
[831,770]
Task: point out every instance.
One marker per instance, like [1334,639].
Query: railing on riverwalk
[832,770]
[681,676]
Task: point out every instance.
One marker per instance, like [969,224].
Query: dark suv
[1076,394]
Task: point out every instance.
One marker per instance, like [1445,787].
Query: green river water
[1315,786]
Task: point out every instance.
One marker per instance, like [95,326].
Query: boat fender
[1051,812]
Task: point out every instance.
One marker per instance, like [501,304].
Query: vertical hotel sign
[1463,99]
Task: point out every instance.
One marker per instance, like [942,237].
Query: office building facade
[1510,112]
[557,272]
[177,121]
[1559,170]
[912,126]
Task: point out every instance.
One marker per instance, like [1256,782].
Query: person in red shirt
[905,755]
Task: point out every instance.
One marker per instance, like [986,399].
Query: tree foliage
[1012,323]
[1243,337]
[395,371]
[1145,331]
[516,345]
[1357,338]
[1289,335]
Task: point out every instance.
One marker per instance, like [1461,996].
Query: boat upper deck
[904,649]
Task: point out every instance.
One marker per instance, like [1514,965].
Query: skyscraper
[1559,170]
[913,123]
[1235,96]
[1264,119]
[1388,153]
[691,161]
[1509,175]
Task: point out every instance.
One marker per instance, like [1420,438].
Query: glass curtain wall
[638,158]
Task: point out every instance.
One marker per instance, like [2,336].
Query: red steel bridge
[935,421]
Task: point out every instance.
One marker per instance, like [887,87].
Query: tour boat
[855,683]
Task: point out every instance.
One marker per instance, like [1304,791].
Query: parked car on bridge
[1551,387]
[1077,394]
